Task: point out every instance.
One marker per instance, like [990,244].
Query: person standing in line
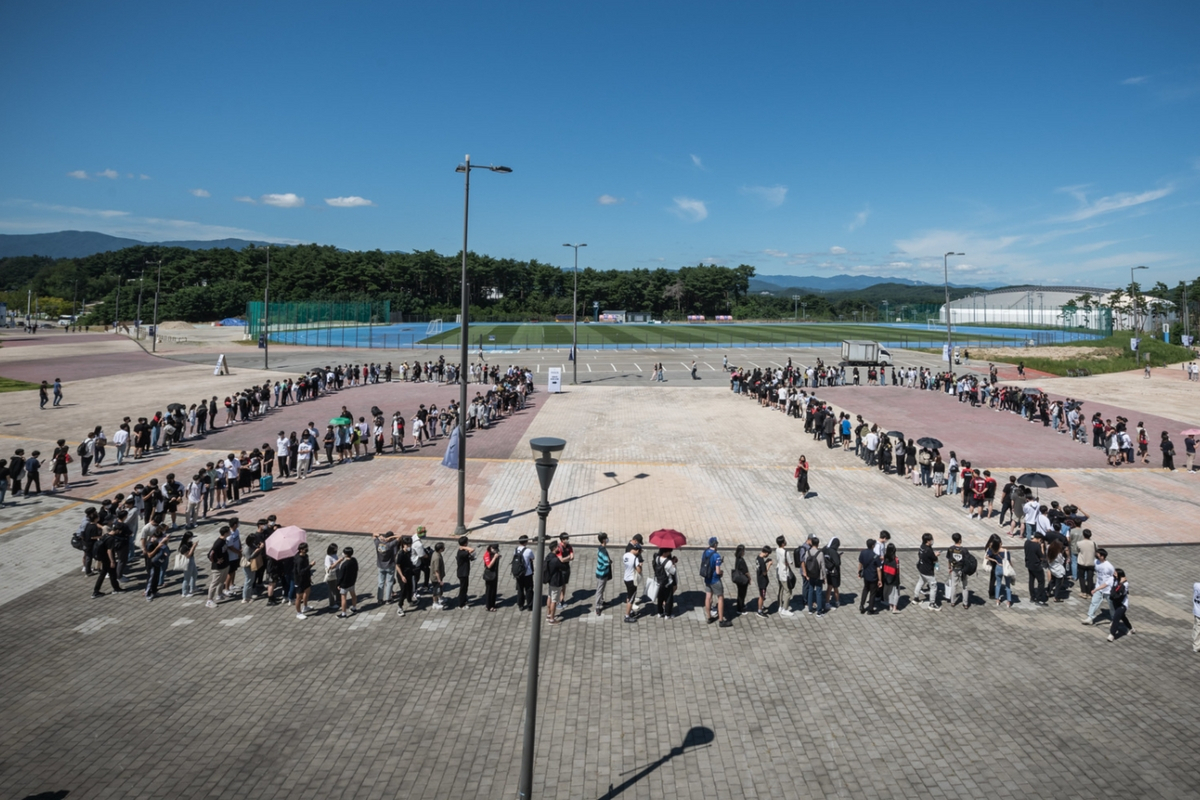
[347,572]
[58,459]
[302,581]
[491,575]
[106,562]
[603,572]
[666,574]
[234,546]
[1105,577]
[407,573]
[86,453]
[868,571]
[194,494]
[1189,452]
[1196,617]
[741,577]
[763,575]
[714,587]
[927,563]
[995,556]
[156,549]
[813,569]
[463,559]
[1118,598]
[1168,452]
[1086,560]
[386,547]
[632,568]
[955,558]
[523,572]
[833,574]
[784,578]
[437,569]
[304,456]
[1035,565]
[890,579]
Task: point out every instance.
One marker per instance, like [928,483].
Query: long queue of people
[410,571]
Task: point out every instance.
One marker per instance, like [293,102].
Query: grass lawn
[10,385]
[1107,360]
[682,335]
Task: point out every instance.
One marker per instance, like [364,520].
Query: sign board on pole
[1166,330]
[1133,344]
[946,353]
[222,368]
[555,380]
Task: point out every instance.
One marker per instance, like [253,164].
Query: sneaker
[210,604]
[353,609]
[820,614]
[932,607]
[725,623]
[399,612]
[1112,638]
[97,594]
[301,616]
[343,616]
[630,619]
[787,612]
[762,614]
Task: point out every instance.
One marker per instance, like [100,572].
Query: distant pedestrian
[666,574]
[58,392]
[491,575]
[302,581]
[762,574]
[632,564]
[347,577]
[603,572]
[463,559]
[927,562]
[43,394]
[801,477]
[868,571]
[1118,598]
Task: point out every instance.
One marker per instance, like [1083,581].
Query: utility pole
[157,289]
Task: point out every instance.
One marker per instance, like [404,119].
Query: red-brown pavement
[982,435]
[50,357]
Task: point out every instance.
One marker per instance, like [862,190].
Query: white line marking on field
[755,365]
[229,623]
[685,366]
[94,624]
[182,621]
[589,366]
[710,366]
[614,366]
[539,367]
[635,366]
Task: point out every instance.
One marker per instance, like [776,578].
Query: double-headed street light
[946,277]
[157,287]
[545,449]
[575,318]
[465,168]
[266,317]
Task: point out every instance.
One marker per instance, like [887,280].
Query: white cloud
[78,174]
[689,209]
[111,174]
[286,200]
[1135,80]
[712,262]
[775,253]
[104,213]
[122,223]
[609,200]
[352,201]
[773,196]
[245,199]
[144,176]
[860,219]
[1106,205]
[696,161]
[200,192]
[1094,246]
[838,251]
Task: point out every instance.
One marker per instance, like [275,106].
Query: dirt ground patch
[176,325]
[1013,354]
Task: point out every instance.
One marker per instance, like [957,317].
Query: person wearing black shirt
[868,570]
[347,577]
[463,559]
[103,553]
[926,572]
[302,580]
[1035,554]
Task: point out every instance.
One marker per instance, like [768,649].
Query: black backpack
[81,451]
[970,564]
[1117,595]
[706,566]
[812,564]
[517,565]
[798,556]
[660,573]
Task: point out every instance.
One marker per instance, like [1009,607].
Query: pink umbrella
[1192,432]
[284,542]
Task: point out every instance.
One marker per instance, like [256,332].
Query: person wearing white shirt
[283,449]
[233,468]
[1030,510]
[304,456]
[783,575]
[194,495]
[1104,583]
[121,440]
[871,443]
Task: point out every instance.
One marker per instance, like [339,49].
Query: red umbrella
[668,538]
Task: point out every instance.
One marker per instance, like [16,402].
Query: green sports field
[615,336]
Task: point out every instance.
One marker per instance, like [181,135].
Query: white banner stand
[554,385]
[222,368]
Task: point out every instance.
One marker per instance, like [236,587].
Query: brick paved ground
[119,697]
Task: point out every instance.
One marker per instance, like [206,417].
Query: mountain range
[835,283]
[78,244]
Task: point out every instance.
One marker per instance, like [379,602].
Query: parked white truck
[861,352]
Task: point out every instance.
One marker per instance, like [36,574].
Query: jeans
[154,576]
[1094,606]
[121,450]
[952,482]
[1002,583]
[385,584]
[247,581]
[928,585]
[189,577]
[815,597]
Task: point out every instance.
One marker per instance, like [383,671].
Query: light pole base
[460,530]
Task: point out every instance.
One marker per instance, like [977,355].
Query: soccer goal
[935,324]
[434,328]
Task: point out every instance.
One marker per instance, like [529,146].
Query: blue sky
[1051,142]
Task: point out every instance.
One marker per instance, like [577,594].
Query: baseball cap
[712,542]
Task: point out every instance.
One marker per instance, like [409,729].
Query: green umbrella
[340,421]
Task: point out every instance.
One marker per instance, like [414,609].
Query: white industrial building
[1058,306]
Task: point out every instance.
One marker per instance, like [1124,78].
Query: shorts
[345,591]
[631,590]
[233,566]
[717,588]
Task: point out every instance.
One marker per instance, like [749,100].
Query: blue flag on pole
[452,452]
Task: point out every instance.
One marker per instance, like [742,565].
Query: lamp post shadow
[698,736]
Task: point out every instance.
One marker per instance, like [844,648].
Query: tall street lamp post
[946,279]
[544,448]
[465,168]
[1133,297]
[575,318]
[157,288]
[266,317]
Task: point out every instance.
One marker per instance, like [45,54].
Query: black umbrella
[176,407]
[930,443]
[1038,480]
[1033,391]
[897,434]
